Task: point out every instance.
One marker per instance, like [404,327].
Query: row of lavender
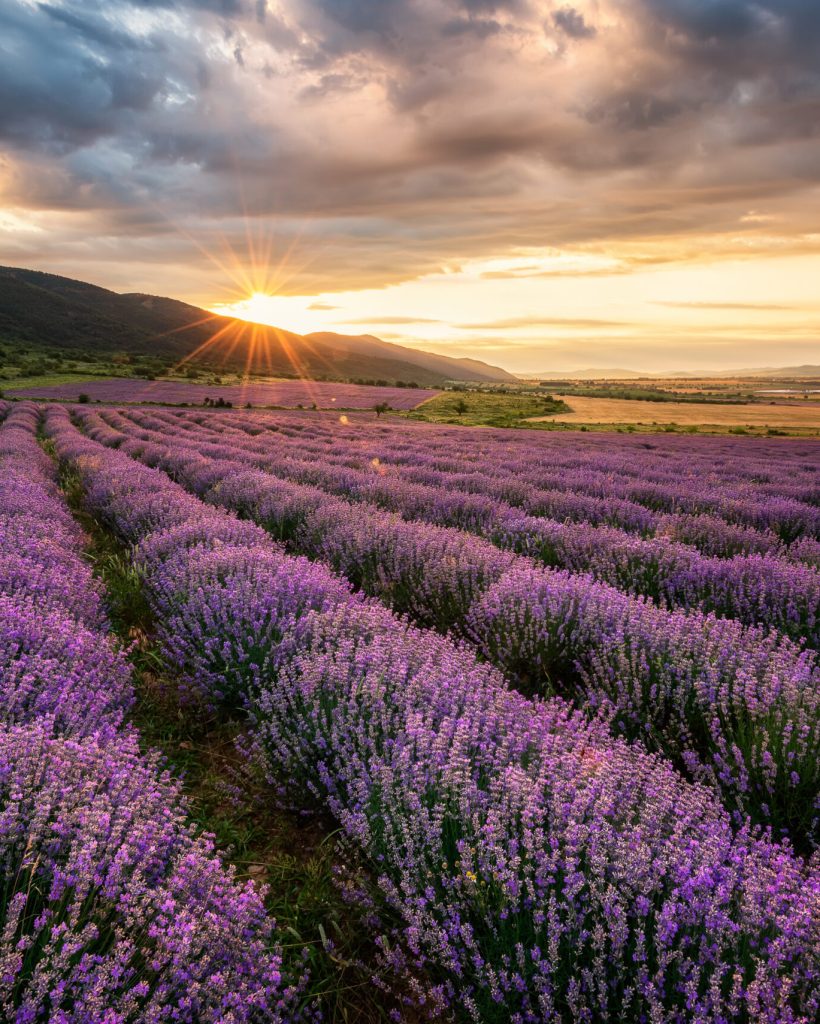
[537,868]
[113,909]
[736,707]
[283,393]
[496,469]
[756,589]
[623,481]
[735,463]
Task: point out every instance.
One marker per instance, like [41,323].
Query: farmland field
[286,393]
[804,415]
[550,700]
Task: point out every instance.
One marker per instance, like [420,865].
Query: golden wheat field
[802,415]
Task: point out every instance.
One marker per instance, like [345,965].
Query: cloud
[516,323]
[711,19]
[328,85]
[376,140]
[54,95]
[479,27]
[572,23]
[763,306]
[376,320]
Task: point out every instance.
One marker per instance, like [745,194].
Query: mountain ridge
[606,373]
[71,315]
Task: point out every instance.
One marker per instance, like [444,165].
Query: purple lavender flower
[51,665]
[536,866]
[114,910]
[537,863]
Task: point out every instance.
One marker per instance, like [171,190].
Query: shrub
[113,909]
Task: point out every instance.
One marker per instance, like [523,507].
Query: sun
[259,307]
[257,286]
[257,277]
[290,312]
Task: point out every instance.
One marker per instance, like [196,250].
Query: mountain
[781,372]
[591,373]
[595,373]
[371,347]
[45,310]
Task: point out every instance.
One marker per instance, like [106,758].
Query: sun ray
[258,269]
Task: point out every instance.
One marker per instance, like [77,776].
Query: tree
[461,407]
[380,408]
[83,398]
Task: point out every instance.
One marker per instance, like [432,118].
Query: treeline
[23,358]
[381,383]
[651,395]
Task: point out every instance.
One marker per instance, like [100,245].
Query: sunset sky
[611,183]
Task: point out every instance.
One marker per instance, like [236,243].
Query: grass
[480,409]
[616,415]
[43,380]
[296,855]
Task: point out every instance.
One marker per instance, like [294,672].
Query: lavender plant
[758,589]
[543,870]
[539,868]
[733,706]
[112,909]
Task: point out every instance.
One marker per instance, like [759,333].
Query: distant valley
[595,373]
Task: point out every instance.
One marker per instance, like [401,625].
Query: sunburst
[253,276]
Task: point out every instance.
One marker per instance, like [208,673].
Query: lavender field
[555,696]
[287,394]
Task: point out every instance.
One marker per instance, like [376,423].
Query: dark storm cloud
[92,30]
[479,27]
[453,127]
[711,19]
[89,73]
[636,110]
[491,6]
[730,34]
[68,79]
[329,84]
[737,20]
[573,23]
[363,15]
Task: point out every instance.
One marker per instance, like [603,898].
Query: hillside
[371,347]
[45,310]
[595,373]
[783,372]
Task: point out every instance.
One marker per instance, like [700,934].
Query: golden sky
[611,183]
